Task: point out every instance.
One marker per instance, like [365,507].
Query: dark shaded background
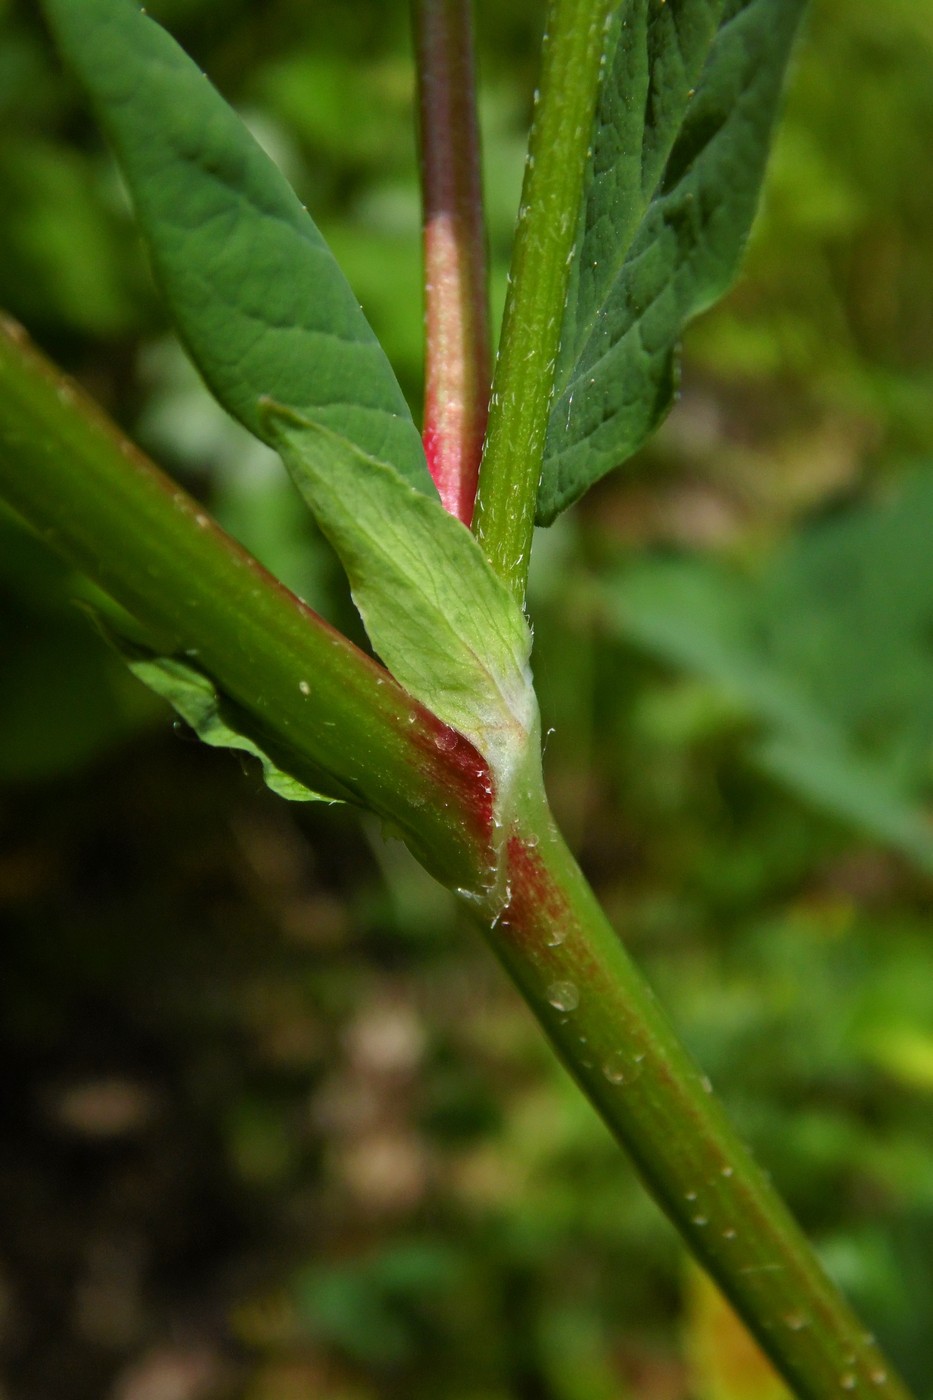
[273,1123]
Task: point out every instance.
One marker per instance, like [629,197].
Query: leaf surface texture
[687,106]
[255,293]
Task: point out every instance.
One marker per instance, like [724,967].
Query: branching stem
[544,242]
[339,722]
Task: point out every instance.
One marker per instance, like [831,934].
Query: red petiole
[457,359]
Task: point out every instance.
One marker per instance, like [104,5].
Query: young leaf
[254,291]
[442,622]
[682,130]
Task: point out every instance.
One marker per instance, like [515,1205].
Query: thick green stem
[326,712]
[547,227]
[457,366]
[612,1036]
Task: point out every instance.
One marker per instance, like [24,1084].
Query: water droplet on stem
[564,996]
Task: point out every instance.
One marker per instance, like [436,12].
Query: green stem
[612,1036]
[544,242]
[457,365]
[338,715]
[326,712]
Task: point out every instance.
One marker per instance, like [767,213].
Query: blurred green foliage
[274,1125]
[826,645]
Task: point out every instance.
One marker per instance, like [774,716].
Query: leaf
[213,719]
[256,294]
[828,650]
[443,623]
[839,779]
[683,125]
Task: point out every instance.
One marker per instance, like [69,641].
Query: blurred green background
[273,1124]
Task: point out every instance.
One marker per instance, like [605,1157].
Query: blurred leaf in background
[829,649]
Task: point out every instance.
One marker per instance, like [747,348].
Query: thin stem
[547,227]
[323,710]
[457,359]
[612,1036]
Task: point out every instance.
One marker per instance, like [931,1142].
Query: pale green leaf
[443,623]
[255,293]
[195,698]
[684,121]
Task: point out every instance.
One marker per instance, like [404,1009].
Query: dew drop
[728,1234]
[690,1196]
[795,1321]
[616,1068]
[304,687]
[727,1170]
[556,938]
[700,1220]
[848,1381]
[564,996]
[878,1377]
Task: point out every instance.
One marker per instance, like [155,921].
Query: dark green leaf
[256,294]
[682,131]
